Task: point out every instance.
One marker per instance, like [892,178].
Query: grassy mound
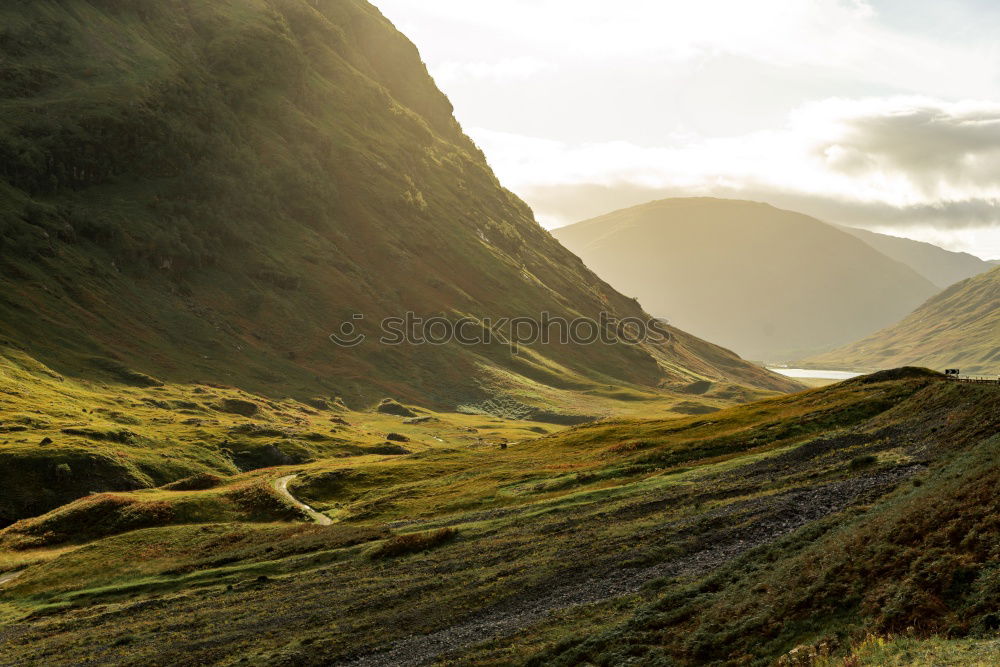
[101,515]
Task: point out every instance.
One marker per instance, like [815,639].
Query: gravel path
[282,486]
[11,576]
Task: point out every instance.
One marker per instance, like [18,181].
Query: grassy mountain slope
[958,328]
[768,283]
[816,520]
[942,267]
[62,438]
[206,191]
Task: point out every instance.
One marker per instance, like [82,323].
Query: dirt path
[282,486]
[11,576]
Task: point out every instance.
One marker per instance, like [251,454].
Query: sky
[876,114]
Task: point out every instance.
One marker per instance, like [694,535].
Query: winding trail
[4,578]
[282,487]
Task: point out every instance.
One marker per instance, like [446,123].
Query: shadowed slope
[942,267]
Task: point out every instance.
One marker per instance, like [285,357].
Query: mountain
[768,283]
[204,192]
[941,267]
[958,328]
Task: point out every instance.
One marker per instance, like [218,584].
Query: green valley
[621,538]
[212,452]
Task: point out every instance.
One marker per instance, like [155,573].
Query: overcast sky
[883,114]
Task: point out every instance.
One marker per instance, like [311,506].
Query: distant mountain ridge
[942,267]
[771,284]
[958,328]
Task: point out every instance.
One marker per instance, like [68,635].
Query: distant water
[814,373]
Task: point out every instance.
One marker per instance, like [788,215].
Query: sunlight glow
[826,100]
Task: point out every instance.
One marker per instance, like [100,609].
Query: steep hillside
[958,328]
[206,191]
[942,267]
[821,520]
[771,284]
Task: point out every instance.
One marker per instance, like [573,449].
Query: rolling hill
[771,284]
[958,328]
[204,192]
[942,267]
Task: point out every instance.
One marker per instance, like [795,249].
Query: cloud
[573,101]
[905,163]
[900,151]
[842,35]
[454,72]
[943,150]
[968,226]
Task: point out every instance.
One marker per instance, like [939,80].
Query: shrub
[238,406]
[863,461]
[121,436]
[387,449]
[200,482]
[391,407]
[402,545]
[628,446]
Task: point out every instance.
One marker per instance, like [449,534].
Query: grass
[904,651]
[413,543]
[62,438]
[165,359]
[550,518]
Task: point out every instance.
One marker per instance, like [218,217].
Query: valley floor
[824,521]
